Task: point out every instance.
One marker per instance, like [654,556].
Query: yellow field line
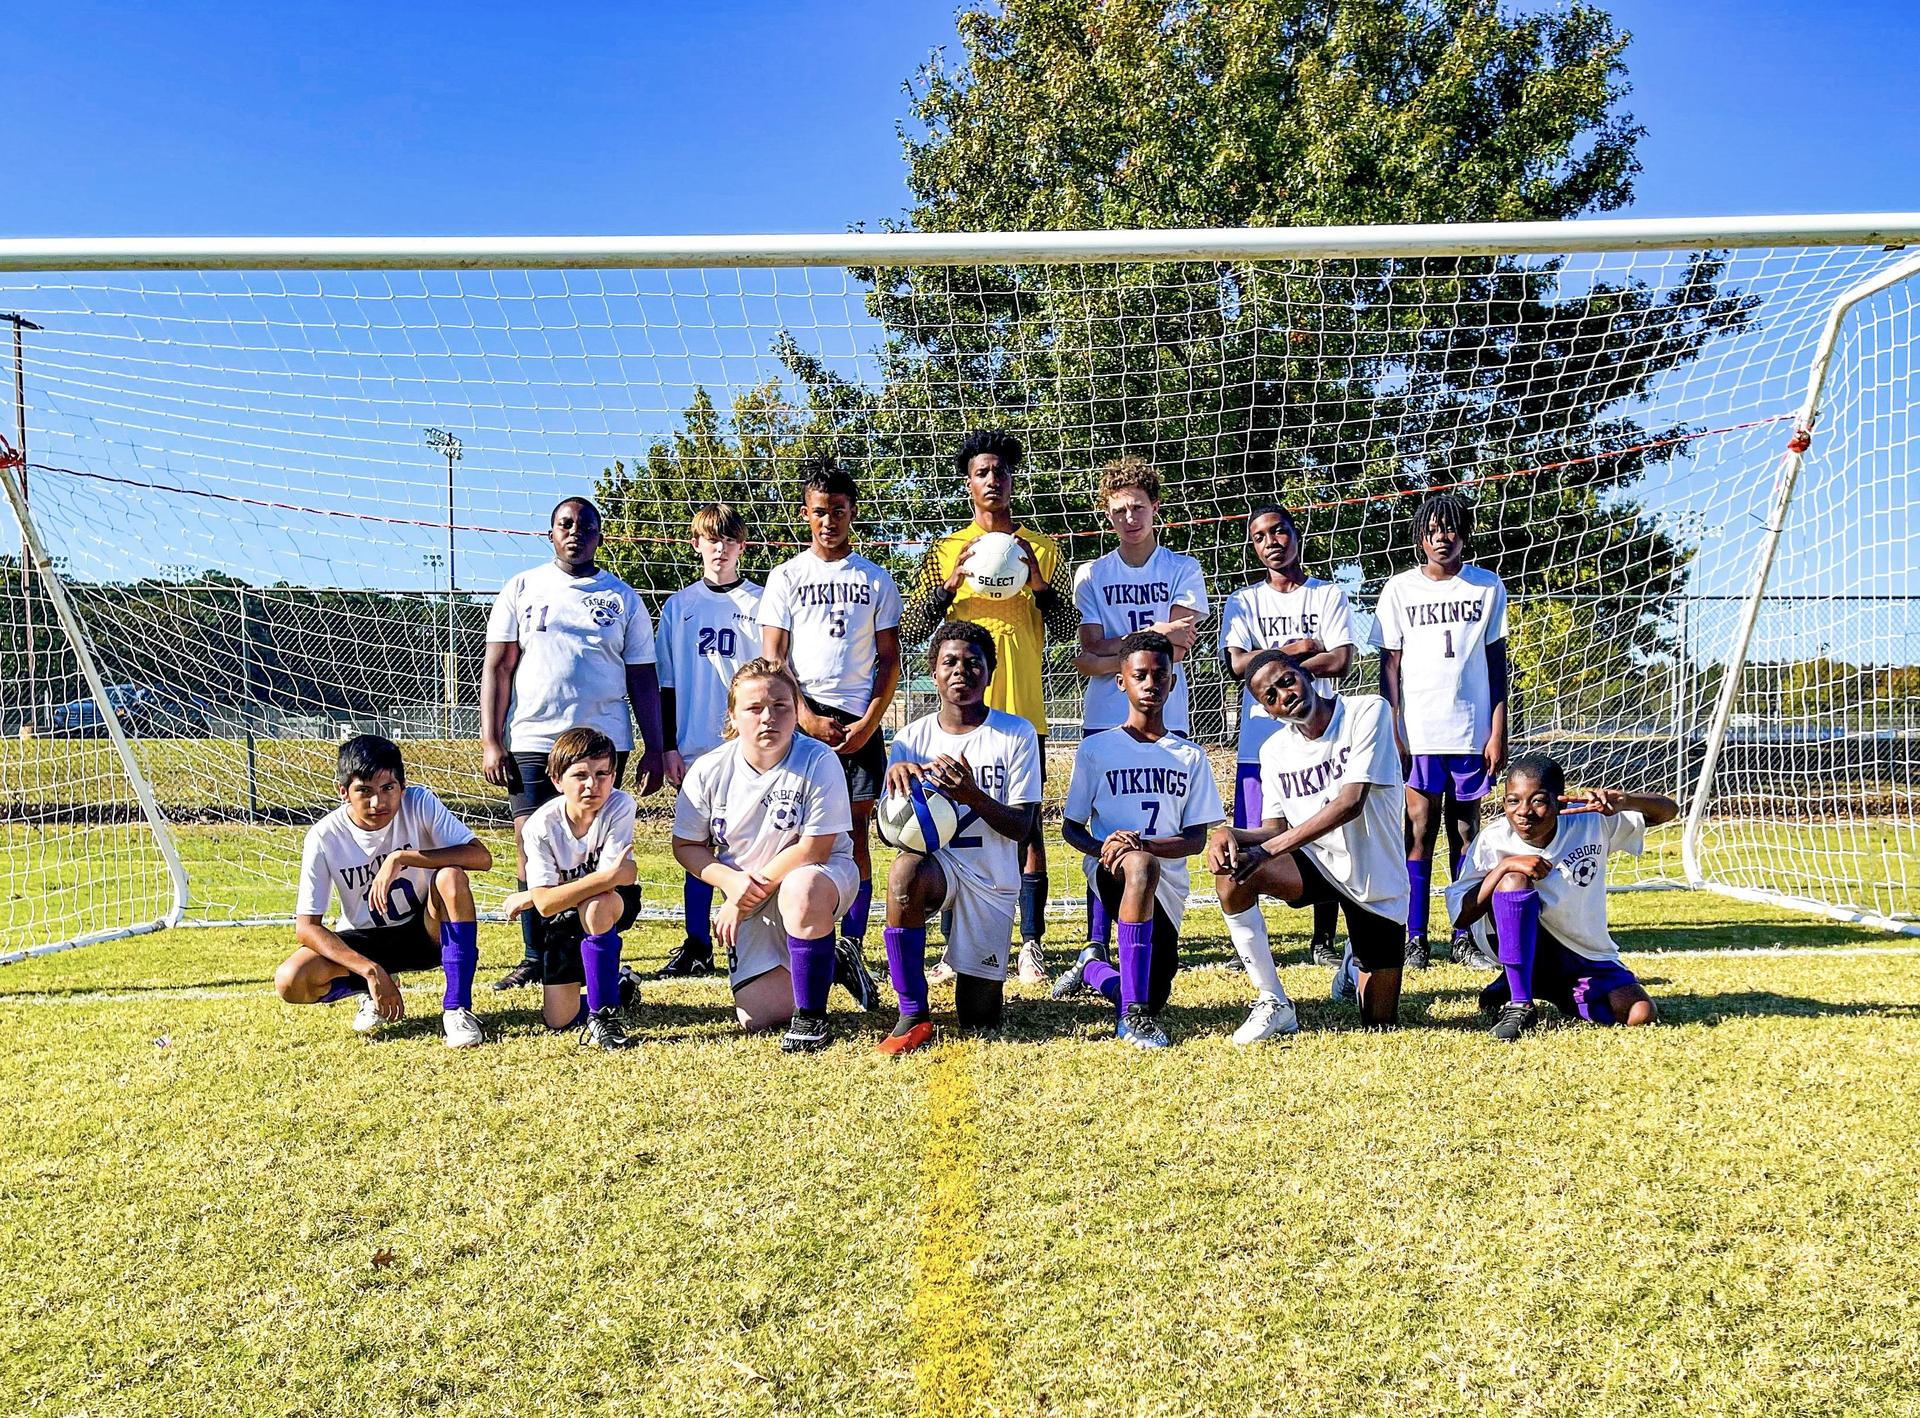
[954,1359]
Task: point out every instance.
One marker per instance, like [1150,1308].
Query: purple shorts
[1570,982]
[1246,795]
[1464,774]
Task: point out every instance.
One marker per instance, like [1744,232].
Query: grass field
[214,1202]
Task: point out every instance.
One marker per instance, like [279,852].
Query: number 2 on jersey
[716,642]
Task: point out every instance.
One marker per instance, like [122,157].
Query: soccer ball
[997,566]
[908,820]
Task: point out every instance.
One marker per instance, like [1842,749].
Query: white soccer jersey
[1366,858]
[1121,599]
[1259,617]
[833,610]
[337,856]
[1004,754]
[1442,630]
[1573,896]
[1157,789]
[747,817]
[577,635]
[705,636]
[555,856]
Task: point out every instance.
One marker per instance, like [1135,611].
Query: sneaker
[1325,950]
[1515,1020]
[807,1034]
[1467,951]
[850,972]
[1141,1029]
[1271,1019]
[629,987]
[1346,980]
[527,972]
[462,1028]
[690,957]
[941,973]
[366,1019]
[605,1031]
[1033,964]
[1417,957]
[1073,979]
[908,1035]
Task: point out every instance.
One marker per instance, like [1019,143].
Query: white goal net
[275,486]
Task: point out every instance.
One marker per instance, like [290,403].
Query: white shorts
[760,944]
[983,923]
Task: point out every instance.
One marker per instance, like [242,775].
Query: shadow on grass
[1753,935]
[110,987]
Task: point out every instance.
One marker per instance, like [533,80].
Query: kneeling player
[1332,796]
[1542,872]
[399,860]
[764,820]
[581,887]
[1139,804]
[988,763]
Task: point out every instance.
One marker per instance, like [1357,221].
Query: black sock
[1033,905]
[1326,919]
[529,952]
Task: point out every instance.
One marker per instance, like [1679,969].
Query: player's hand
[901,776]
[1181,632]
[1251,860]
[647,773]
[493,764]
[1223,851]
[1532,866]
[1495,754]
[518,902]
[673,767]
[386,995]
[380,889]
[819,726]
[1117,846]
[619,868]
[1605,801]
[1406,754]
[745,891]
[726,924]
[954,777]
[854,736]
[1035,581]
[1301,647]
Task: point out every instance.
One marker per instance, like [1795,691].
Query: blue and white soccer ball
[920,821]
[997,566]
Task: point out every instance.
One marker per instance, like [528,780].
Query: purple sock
[696,898]
[1136,962]
[1516,927]
[810,962]
[1454,860]
[1098,927]
[600,962]
[459,957]
[855,922]
[345,987]
[1103,979]
[1420,881]
[907,964]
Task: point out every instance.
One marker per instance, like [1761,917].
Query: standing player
[707,631]
[1019,625]
[1140,585]
[1332,801]
[399,861]
[1541,870]
[833,617]
[1139,804]
[568,645]
[1442,633]
[988,764]
[1308,618]
[763,820]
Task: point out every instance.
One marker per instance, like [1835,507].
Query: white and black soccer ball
[997,566]
[919,821]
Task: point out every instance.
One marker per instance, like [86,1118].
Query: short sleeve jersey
[1573,896]
[833,610]
[577,635]
[1120,599]
[338,856]
[1259,617]
[1158,789]
[1019,632]
[555,856]
[705,636]
[747,817]
[1442,630]
[1004,754]
[1365,858]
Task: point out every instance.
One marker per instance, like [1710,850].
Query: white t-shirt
[555,856]
[1258,617]
[337,856]
[1573,896]
[747,817]
[1365,858]
[1004,754]
[577,635]
[1442,630]
[1120,599]
[1157,789]
[705,636]
[833,610]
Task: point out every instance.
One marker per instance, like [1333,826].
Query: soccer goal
[266,489]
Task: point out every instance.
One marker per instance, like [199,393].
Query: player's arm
[954,777]
[643,692]
[1099,653]
[470,856]
[1343,807]
[933,596]
[1654,807]
[312,932]
[1496,751]
[1390,685]
[1052,598]
[1479,902]
[672,766]
[496,691]
[1320,662]
[620,871]
[886,679]
[1076,836]
[697,859]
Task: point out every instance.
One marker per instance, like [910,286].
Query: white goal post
[1687,445]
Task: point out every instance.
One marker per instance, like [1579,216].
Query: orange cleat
[915,1036]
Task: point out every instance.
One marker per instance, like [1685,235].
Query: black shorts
[402,946]
[1165,959]
[866,770]
[1379,942]
[528,785]
[558,938]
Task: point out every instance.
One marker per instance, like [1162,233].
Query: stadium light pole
[450,446]
[21,325]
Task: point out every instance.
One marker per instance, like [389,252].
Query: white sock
[1248,931]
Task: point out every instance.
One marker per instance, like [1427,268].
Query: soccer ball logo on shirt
[605,609]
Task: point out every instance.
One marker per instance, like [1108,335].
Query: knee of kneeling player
[452,885]
[807,900]
[288,984]
[1638,1011]
[601,913]
[1140,866]
[907,880]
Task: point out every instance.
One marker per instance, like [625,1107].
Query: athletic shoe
[366,1019]
[908,1035]
[1417,957]
[462,1028]
[850,972]
[807,1034]
[1073,979]
[941,973]
[1233,964]
[1346,980]
[1515,1020]
[527,972]
[629,987]
[690,957]
[605,1031]
[1467,951]
[1271,1019]
[1033,964]
[1140,1029]
[1325,950]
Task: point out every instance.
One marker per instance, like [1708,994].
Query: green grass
[213,1202]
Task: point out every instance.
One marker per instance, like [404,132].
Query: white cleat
[1271,1019]
[366,1019]
[1033,964]
[462,1028]
[1346,979]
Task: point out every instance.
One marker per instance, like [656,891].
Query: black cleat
[850,972]
[1515,1020]
[527,972]
[605,1031]
[807,1034]
[1466,951]
[629,988]
[1325,950]
[1417,957]
[690,957]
